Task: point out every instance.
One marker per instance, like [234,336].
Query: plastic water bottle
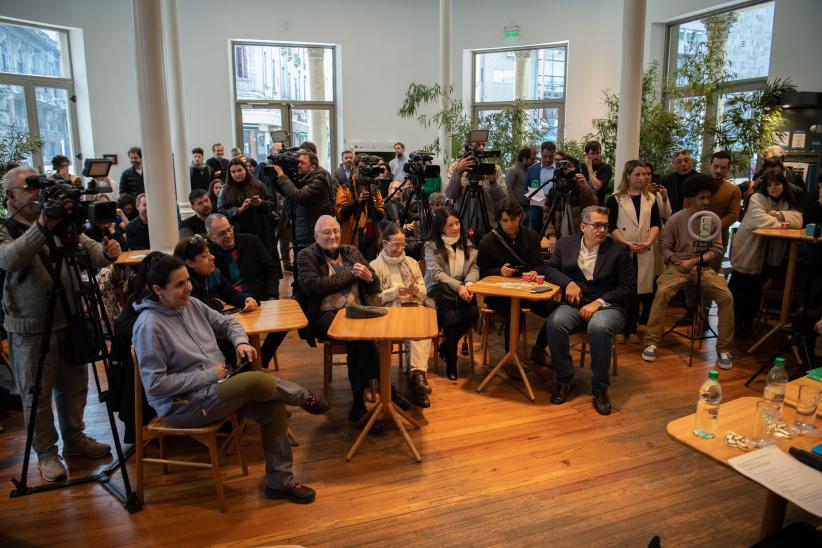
[707,407]
[776,381]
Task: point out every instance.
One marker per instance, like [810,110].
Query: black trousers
[633,319]
[362,357]
[747,292]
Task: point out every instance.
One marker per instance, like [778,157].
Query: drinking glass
[766,415]
[806,408]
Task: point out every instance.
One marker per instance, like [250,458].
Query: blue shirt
[396,168]
[546,173]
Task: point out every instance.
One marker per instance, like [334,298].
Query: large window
[738,43]
[535,75]
[36,89]
[284,87]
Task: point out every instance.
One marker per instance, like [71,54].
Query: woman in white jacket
[402,284]
[754,256]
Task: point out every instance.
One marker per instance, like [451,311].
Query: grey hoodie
[177,350]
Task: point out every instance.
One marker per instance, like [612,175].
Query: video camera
[54,194]
[419,168]
[475,149]
[565,176]
[288,160]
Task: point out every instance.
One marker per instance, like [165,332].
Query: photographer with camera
[464,174]
[27,239]
[359,207]
[566,200]
[309,195]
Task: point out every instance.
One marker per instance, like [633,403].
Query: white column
[522,73]
[158,168]
[630,83]
[316,83]
[174,78]
[445,77]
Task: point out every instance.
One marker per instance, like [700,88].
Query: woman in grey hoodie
[184,376]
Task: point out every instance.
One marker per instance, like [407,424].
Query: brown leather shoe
[601,403]
[316,405]
[300,494]
[418,379]
[560,393]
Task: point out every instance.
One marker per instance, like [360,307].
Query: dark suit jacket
[614,279]
[339,175]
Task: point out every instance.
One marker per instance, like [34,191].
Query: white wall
[384,45]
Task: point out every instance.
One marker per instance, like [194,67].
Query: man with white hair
[26,237]
[332,276]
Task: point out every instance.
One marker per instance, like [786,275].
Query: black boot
[418,392]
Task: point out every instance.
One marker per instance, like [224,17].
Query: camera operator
[310,197]
[360,207]
[493,186]
[27,288]
[579,195]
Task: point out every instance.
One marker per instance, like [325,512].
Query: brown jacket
[351,214]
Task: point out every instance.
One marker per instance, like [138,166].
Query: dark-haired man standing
[131,180]
[597,173]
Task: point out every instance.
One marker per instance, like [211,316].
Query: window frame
[29,82]
[530,104]
[285,105]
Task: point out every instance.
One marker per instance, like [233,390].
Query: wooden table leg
[773,516]
[513,343]
[392,411]
[257,364]
[375,412]
[785,311]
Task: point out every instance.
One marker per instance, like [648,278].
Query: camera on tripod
[368,168]
[419,168]
[565,176]
[474,149]
[83,204]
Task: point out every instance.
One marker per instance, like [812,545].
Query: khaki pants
[713,287]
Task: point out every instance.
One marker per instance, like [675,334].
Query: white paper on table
[784,475]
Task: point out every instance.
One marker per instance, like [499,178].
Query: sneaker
[51,467]
[86,446]
[649,354]
[316,405]
[724,361]
[300,494]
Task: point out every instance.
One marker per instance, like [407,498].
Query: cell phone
[541,289]
[241,367]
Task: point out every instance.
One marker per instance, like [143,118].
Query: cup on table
[806,408]
[766,415]
[540,279]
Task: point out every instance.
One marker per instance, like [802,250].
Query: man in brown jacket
[726,201]
[359,209]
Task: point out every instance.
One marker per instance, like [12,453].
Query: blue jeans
[601,329]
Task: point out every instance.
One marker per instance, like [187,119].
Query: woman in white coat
[634,219]
[402,284]
[754,256]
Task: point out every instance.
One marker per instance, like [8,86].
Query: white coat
[748,249]
[638,231]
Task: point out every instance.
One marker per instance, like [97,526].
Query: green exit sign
[511,31]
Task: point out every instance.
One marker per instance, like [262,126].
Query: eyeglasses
[598,226]
[329,232]
[393,245]
[224,233]
[25,187]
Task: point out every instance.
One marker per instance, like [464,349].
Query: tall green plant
[452,117]
[15,145]
[510,130]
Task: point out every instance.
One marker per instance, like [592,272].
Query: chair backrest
[421,264]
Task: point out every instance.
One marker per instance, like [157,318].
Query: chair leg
[276,362]
[138,461]
[524,329]
[215,468]
[471,347]
[485,328]
[327,357]
[163,454]
[237,428]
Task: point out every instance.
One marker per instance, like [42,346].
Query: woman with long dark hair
[214,190]
[451,269]
[184,375]
[754,257]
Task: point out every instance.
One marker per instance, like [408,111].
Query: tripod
[700,318]
[87,298]
[561,201]
[472,211]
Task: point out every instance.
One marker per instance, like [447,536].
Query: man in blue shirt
[538,174]
[397,163]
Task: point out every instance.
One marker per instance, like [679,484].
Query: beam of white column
[630,84]
[174,76]
[445,76]
[155,135]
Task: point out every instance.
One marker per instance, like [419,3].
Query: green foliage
[15,145]
[572,147]
[451,117]
[510,130]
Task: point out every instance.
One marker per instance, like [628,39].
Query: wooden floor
[496,470]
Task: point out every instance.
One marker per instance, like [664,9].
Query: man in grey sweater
[25,237]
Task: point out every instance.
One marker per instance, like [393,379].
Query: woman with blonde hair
[634,219]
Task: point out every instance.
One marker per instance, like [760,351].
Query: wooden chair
[581,339]
[206,435]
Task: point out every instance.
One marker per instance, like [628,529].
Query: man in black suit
[343,173]
[596,274]
[131,180]
[218,164]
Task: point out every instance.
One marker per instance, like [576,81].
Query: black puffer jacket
[310,199]
[316,284]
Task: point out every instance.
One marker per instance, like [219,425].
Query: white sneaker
[724,361]
[51,467]
[649,354]
[86,446]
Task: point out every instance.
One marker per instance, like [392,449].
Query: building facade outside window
[285,87]
[535,74]
[37,90]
